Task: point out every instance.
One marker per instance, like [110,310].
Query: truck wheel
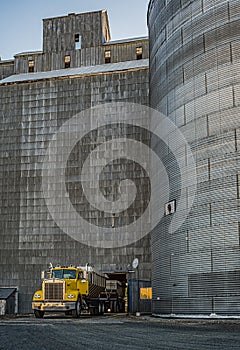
[117,307]
[77,311]
[114,308]
[111,306]
[101,308]
[38,313]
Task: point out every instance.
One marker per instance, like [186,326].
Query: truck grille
[54,291]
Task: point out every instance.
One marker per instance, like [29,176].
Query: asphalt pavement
[117,332]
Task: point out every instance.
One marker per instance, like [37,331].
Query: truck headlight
[71,296]
[37,296]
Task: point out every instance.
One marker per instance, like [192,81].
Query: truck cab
[70,290]
[63,291]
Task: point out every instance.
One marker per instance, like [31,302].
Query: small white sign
[135,263]
[170,207]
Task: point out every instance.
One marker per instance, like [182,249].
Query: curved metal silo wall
[195,81]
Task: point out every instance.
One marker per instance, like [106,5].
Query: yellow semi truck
[70,290]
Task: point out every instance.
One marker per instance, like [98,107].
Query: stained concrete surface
[117,332]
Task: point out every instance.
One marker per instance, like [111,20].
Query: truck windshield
[68,274]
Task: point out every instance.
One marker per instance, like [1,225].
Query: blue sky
[21,20]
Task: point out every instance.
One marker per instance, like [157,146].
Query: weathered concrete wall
[31,113]
[126,51]
[58,32]
[59,41]
[6,69]
[90,56]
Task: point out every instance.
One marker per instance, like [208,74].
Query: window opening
[108,56]
[31,66]
[139,52]
[67,61]
[78,42]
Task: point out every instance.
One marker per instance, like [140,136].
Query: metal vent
[54,291]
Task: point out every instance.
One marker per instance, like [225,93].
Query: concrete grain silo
[195,81]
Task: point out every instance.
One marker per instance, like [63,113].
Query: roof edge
[7,61]
[27,53]
[76,72]
[74,14]
[126,41]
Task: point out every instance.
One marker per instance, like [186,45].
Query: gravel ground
[117,332]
